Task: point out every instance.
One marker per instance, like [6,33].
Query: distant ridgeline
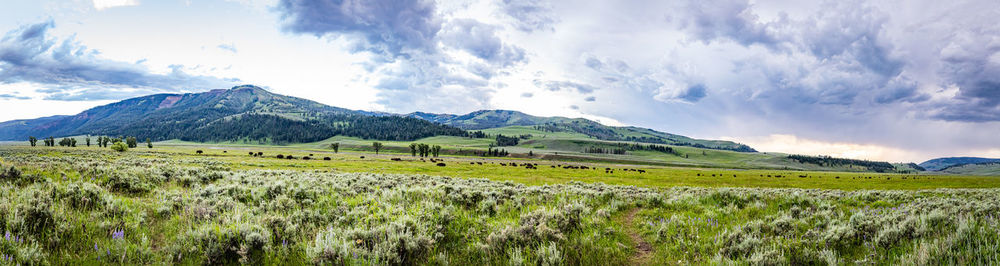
[881,167]
[994,163]
[602,132]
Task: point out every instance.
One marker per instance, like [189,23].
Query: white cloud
[105,4]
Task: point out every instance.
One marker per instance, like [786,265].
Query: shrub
[235,242]
[85,196]
[119,147]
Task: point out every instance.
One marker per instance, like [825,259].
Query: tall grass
[88,207]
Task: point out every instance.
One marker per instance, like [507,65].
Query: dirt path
[644,250]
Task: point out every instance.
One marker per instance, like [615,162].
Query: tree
[436,150]
[72,142]
[377,145]
[424,149]
[32,140]
[531,154]
[88,141]
[413,149]
[131,141]
[119,147]
[335,146]
[149,143]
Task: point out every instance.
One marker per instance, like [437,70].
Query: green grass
[569,147]
[654,176]
[168,205]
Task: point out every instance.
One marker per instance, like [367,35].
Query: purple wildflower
[119,234]
[6,235]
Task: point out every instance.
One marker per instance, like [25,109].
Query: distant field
[553,172]
[169,205]
[566,146]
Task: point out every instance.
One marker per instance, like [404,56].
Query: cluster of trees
[622,148]
[67,142]
[876,166]
[479,134]
[424,150]
[593,149]
[491,152]
[507,141]
[103,142]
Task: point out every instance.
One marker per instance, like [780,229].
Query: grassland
[568,146]
[169,205]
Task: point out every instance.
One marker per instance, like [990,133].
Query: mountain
[942,163]
[485,119]
[251,114]
[246,113]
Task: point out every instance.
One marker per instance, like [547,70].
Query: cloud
[6,96]
[480,40]
[565,85]
[105,4]
[421,61]
[527,95]
[228,47]
[73,72]
[529,15]
[394,27]
[590,99]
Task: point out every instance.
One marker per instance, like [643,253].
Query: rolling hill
[942,163]
[487,119]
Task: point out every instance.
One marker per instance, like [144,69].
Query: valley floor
[171,205]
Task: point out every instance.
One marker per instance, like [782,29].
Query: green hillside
[517,121]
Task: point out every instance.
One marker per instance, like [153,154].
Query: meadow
[172,205]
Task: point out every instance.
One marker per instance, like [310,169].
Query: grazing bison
[281,156]
[306,158]
[289,157]
[252,154]
[396,159]
[326,158]
[199,152]
[362,157]
[440,164]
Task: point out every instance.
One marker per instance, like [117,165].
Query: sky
[891,80]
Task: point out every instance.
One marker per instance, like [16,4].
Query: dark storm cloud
[387,25]
[529,15]
[70,71]
[971,62]
[693,93]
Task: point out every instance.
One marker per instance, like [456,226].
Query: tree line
[102,141]
[623,148]
[424,150]
[265,128]
[876,166]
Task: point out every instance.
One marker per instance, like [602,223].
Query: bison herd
[440,162]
